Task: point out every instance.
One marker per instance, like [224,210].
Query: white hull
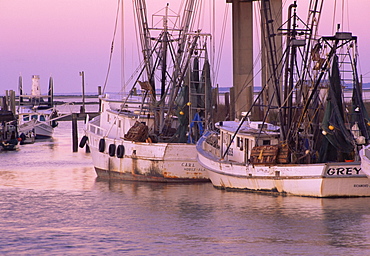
[43,130]
[165,110]
[365,160]
[314,180]
[35,122]
[159,162]
[39,129]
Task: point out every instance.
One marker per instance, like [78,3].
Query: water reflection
[203,213]
[51,196]
[347,222]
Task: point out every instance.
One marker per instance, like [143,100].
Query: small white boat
[36,116]
[36,122]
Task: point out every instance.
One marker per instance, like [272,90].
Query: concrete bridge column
[242,33]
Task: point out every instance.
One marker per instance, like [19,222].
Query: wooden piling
[99,93]
[227,105]
[232,105]
[12,101]
[87,148]
[74,133]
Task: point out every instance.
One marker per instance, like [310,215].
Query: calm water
[52,204]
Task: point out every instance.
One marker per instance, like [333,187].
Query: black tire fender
[112,149]
[83,141]
[101,145]
[120,151]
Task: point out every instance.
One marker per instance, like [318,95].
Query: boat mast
[272,61]
[145,42]
[164,51]
[179,71]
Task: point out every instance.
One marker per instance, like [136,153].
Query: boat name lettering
[343,171]
[194,169]
[187,164]
[361,185]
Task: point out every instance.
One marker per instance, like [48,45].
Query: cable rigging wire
[259,56]
[333,25]
[112,46]
[221,44]
[123,78]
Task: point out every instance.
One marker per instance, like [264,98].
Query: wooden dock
[79,116]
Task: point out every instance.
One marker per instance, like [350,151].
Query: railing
[96,129]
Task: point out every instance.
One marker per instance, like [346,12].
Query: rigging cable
[137,35]
[112,46]
[222,40]
[213,41]
[123,78]
[333,25]
[343,13]
[249,81]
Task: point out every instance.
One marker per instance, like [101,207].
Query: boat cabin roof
[249,128]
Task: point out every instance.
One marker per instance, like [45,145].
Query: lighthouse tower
[35,91]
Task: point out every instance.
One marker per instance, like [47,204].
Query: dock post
[87,149]
[12,101]
[74,133]
[227,105]
[232,106]
[99,93]
[82,74]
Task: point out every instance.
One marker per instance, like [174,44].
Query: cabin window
[227,139]
[26,118]
[108,118]
[42,118]
[246,146]
[34,117]
[239,143]
[225,136]
[263,126]
[266,142]
[119,123]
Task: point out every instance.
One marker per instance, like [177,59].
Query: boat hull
[365,160]
[11,145]
[39,129]
[154,162]
[313,180]
[43,131]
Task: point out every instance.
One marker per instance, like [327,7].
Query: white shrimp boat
[315,149]
[255,168]
[115,157]
[144,135]
[365,160]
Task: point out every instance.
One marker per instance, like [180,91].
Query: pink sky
[60,38]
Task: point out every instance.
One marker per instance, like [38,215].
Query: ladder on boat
[199,88]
